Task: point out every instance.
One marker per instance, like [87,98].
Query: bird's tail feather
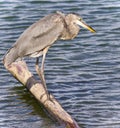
[10,56]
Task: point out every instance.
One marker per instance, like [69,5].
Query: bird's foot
[48,97]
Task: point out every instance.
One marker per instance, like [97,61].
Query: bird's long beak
[84,25]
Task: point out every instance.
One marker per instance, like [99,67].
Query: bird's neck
[70,31]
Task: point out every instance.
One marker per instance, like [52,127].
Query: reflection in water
[83,74]
[26,109]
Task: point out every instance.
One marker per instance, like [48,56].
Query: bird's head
[77,20]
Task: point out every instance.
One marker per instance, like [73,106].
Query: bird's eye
[80,19]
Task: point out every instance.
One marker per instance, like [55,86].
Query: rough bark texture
[20,71]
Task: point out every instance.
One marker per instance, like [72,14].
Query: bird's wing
[44,25]
[40,35]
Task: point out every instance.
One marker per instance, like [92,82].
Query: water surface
[83,74]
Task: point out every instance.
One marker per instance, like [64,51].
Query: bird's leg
[40,71]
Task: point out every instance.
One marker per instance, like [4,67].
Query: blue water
[83,74]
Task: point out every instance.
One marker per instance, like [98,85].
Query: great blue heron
[36,39]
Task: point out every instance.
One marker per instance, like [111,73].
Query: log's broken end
[20,71]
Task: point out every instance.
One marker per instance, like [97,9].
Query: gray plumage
[42,34]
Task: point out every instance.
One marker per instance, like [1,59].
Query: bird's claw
[48,98]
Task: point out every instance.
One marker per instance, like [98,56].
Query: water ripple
[83,73]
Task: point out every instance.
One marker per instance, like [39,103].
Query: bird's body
[34,39]
[37,38]
[40,35]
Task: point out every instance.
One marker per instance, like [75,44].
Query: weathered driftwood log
[20,71]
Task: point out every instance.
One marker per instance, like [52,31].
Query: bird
[39,37]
